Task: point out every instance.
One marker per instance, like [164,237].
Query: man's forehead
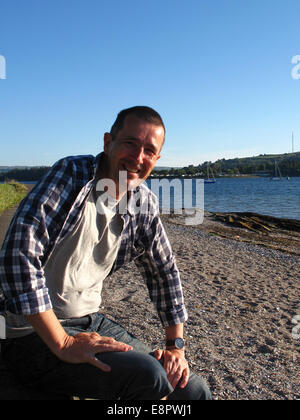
[132,121]
[136,128]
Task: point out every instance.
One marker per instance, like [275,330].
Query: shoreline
[270,232]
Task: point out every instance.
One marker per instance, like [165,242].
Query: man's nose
[139,155]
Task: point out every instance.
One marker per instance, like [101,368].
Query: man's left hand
[175,365]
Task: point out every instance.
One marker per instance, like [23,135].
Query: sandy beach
[241,295]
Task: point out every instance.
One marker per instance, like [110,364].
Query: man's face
[135,150]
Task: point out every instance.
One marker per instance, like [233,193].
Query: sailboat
[277,176]
[209,180]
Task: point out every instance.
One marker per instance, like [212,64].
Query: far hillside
[262,165]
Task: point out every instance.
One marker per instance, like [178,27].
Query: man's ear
[107,141]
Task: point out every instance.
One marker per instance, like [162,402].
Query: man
[65,239]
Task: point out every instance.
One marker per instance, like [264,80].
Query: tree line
[28,174]
[263,165]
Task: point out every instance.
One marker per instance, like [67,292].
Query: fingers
[179,376]
[104,348]
[158,354]
[100,365]
[177,370]
[174,372]
[101,344]
[108,344]
[86,346]
[185,378]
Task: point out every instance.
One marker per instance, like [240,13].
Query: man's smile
[129,168]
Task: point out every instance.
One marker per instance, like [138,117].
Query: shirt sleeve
[28,241]
[159,267]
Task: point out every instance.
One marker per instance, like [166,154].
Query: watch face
[179,343]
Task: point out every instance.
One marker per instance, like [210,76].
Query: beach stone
[264,349]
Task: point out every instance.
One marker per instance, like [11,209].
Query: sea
[257,195]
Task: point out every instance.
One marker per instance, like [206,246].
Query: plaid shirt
[52,210]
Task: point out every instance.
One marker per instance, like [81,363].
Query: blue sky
[219,72]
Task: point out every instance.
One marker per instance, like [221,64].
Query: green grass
[11,194]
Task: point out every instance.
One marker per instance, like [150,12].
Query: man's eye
[150,152]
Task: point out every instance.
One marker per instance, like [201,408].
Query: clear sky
[219,73]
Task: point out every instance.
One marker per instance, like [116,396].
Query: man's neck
[103,173]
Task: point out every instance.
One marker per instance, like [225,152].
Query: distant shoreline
[241,176]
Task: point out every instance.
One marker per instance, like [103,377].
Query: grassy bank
[11,194]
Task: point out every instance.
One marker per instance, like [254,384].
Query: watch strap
[174,343]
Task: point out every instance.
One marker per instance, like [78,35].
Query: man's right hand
[83,347]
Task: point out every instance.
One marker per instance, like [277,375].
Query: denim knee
[151,378]
[136,376]
[196,389]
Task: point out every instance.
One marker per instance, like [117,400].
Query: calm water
[258,195]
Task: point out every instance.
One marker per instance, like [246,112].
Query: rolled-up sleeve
[21,273]
[159,267]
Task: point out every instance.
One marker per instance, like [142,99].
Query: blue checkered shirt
[52,210]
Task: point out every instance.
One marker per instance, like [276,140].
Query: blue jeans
[135,375]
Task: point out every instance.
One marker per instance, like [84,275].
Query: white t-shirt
[79,264]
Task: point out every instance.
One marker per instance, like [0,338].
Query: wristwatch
[177,343]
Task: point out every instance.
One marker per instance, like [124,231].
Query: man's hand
[175,365]
[83,347]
